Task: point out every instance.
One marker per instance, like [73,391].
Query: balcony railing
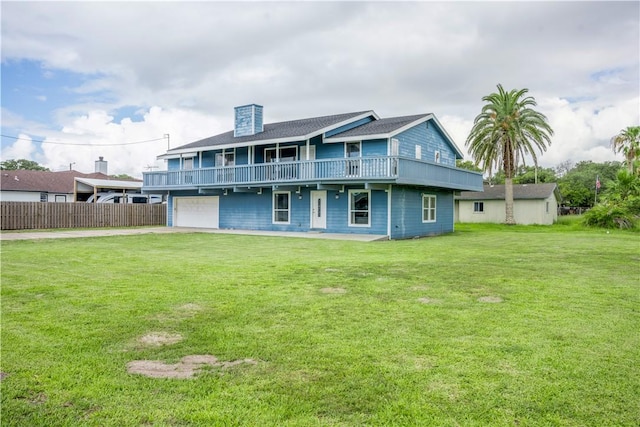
[365,169]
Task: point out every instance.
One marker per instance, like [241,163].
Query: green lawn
[395,333]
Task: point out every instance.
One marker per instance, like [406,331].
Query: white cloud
[97,132]
[22,148]
[188,64]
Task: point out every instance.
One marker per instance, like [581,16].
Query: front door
[318,209]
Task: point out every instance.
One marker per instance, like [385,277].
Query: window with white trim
[436,156]
[281,207]
[353,151]
[359,208]
[281,154]
[226,158]
[418,152]
[478,207]
[428,208]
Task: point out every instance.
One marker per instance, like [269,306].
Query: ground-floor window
[359,208]
[428,208]
[281,207]
[478,207]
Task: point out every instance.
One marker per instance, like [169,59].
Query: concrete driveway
[68,234]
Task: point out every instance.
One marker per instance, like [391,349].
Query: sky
[84,79]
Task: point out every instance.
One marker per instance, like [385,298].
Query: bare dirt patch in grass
[490,299]
[426,300]
[157,339]
[191,307]
[333,290]
[419,288]
[188,366]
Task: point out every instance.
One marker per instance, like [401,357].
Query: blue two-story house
[344,173]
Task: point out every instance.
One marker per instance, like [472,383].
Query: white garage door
[196,212]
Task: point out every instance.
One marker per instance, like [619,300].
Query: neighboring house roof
[42,181]
[294,130]
[520,191]
[90,183]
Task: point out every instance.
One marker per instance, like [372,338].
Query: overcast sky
[98,73]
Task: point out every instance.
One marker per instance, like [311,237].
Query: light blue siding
[330,151]
[427,136]
[338,213]
[406,213]
[251,211]
[173,164]
[374,147]
[208,159]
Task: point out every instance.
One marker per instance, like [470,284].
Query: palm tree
[504,133]
[628,142]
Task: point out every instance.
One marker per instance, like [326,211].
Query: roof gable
[392,126]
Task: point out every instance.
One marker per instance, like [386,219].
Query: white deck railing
[367,169]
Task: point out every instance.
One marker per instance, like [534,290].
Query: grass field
[488,326]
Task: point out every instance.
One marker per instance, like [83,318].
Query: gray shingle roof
[291,129]
[43,181]
[520,191]
[381,126]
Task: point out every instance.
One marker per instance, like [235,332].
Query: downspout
[389,211]
[169,198]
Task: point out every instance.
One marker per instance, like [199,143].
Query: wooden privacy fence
[39,215]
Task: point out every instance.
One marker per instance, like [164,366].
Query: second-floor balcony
[384,169]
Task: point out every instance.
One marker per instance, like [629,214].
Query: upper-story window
[352,149]
[226,158]
[187,163]
[436,157]
[281,154]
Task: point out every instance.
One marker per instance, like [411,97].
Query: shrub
[610,215]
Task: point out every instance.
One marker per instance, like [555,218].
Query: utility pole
[71,164]
[166,135]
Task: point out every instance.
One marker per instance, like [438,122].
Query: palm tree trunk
[508,201]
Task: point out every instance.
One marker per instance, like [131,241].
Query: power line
[82,144]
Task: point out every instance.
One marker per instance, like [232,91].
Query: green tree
[123,176]
[526,175]
[506,131]
[578,185]
[468,165]
[534,175]
[21,164]
[628,142]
